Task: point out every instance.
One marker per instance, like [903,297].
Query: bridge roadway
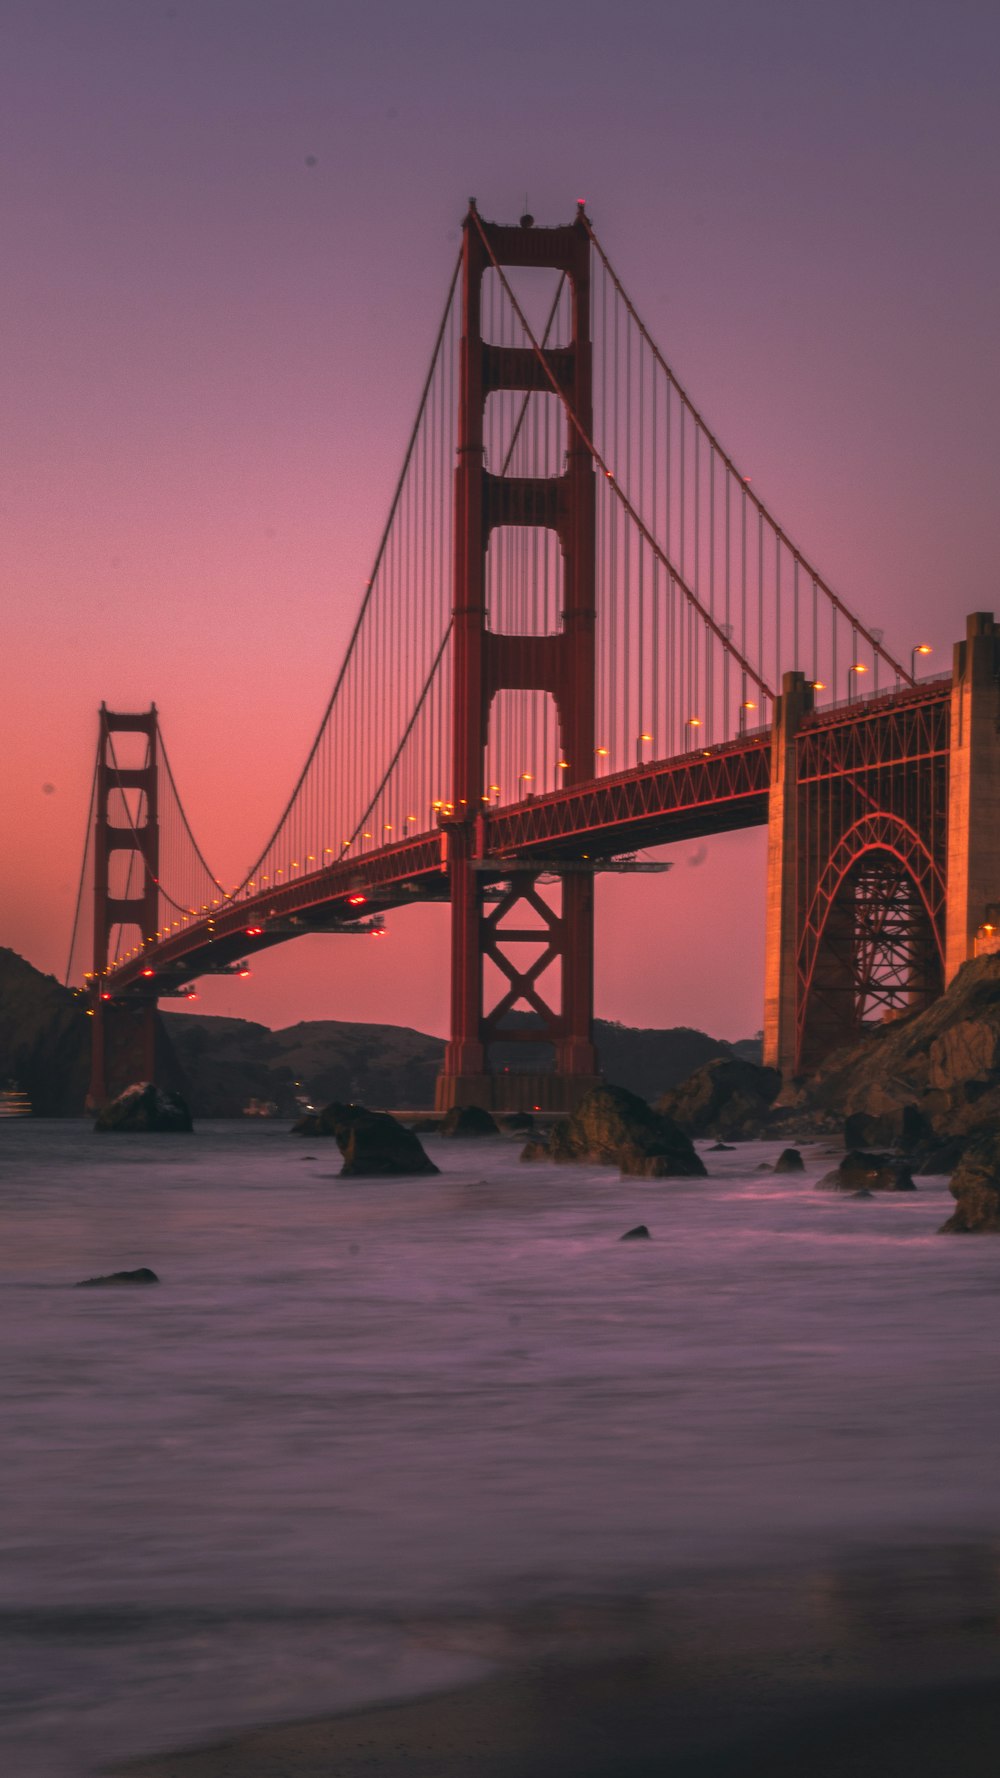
[712,790]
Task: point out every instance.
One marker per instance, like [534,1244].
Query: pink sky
[213,351]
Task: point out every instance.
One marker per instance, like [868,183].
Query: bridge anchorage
[584,634]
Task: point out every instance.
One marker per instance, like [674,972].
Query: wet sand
[884,1667]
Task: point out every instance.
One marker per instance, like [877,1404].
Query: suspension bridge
[584,634]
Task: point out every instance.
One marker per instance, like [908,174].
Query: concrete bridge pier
[781,911]
[973,789]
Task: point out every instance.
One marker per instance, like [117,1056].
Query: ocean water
[360,1425]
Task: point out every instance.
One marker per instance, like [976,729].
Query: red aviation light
[254,931]
[149,972]
[244,972]
[355,901]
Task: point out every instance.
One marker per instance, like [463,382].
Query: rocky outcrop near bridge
[919,1082]
[613,1127]
[976,1189]
[373,1144]
[861,1172]
[147,1109]
[726,1098]
[44,1038]
[467,1122]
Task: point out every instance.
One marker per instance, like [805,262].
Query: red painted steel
[132,1038]
[486,662]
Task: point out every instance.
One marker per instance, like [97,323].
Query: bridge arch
[872,939]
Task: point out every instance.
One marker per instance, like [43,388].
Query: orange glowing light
[355,901]
[148,972]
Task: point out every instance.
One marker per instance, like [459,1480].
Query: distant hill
[44,1038]
[45,1047]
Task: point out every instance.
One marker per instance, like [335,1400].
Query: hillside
[44,1038]
[45,1041]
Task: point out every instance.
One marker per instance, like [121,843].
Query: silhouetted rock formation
[859,1172]
[789,1161]
[921,1080]
[727,1097]
[976,1189]
[616,1128]
[639,1233]
[141,1275]
[468,1120]
[372,1143]
[144,1107]
[44,1038]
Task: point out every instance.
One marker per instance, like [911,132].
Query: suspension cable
[83,869]
[755,499]
[588,442]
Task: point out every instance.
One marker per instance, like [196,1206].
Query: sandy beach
[882,1667]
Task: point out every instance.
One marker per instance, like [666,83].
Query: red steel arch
[887,834]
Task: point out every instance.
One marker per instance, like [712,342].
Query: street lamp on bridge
[639,740]
[918,648]
[855,667]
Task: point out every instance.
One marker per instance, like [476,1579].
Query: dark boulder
[372,1143]
[861,1171]
[942,1157]
[613,1127]
[520,1123]
[145,1107]
[789,1161]
[722,1148]
[727,1097]
[141,1275]
[536,1149]
[468,1120]
[895,1126]
[639,1233]
[976,1190]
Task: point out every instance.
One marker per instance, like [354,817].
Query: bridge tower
[125,1031]
[487,662]
[974,789]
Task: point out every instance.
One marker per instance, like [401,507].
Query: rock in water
[860,1171]
[976,1190]
[616,1128]
[145,1107]
[468,1120]
[727,1097]
[639,1233]
[518,1122]
[789,1161]
[372,1143]
[141,1275]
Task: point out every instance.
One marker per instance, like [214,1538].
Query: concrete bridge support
[973,789]
[781,912]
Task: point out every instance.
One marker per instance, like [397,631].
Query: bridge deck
[714,790]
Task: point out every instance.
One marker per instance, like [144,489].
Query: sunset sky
[228,227]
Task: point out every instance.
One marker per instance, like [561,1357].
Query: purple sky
[213,350]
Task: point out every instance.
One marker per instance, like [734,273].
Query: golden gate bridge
[584,633]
